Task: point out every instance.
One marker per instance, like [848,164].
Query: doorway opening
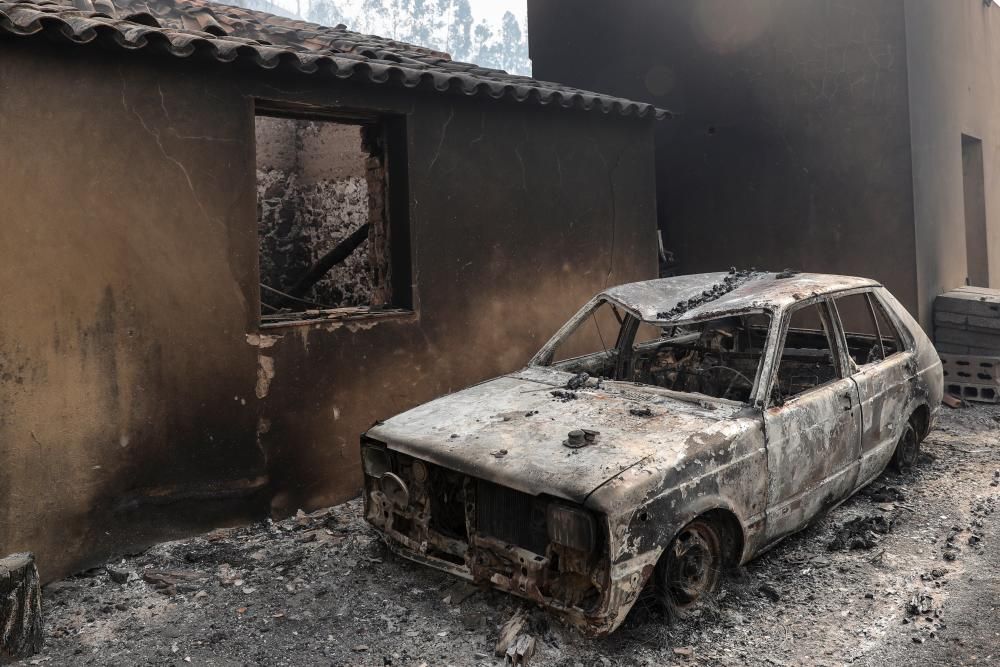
[974,185]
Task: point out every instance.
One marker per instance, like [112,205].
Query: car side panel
[886,388]
[813,447]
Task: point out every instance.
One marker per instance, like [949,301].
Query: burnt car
[671,429]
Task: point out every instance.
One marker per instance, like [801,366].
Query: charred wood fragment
[324,264]
[20,608]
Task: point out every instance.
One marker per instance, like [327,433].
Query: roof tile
[230,34]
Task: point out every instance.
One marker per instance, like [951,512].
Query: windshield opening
[592,346]
[719,358]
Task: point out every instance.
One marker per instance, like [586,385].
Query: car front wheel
[689,571]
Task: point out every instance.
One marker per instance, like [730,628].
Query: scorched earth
[907,572]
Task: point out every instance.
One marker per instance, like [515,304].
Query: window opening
[808,359]
[888,333]
[326,237]
[974,193]
[861,330]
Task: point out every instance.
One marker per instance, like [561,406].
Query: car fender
[653,525]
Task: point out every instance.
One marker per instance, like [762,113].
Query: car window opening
[719,358]
[870,337]
[807,359]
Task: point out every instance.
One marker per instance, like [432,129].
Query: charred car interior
[719,357]
[669,430]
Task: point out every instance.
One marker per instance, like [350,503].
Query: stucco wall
[130,351]
[791,148]
[128,275]
[953,51]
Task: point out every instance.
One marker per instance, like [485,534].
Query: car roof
[701,295]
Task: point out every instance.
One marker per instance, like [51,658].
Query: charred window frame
[834,337]
[883,302]
[379,162]
[887,338]
[546,356]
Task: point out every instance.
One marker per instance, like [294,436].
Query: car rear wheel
[907,448]
[689,571]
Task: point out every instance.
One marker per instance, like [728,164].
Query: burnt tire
[907,448]
[689,571]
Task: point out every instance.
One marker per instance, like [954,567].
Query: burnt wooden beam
[324,264]
[340,252]
[20,608]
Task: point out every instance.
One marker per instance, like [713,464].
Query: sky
[491,10]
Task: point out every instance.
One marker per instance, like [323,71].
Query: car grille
[448,503]
[511,516]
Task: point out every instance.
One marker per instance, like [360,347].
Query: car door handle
[847,400]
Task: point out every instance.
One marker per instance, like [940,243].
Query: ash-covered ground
[907,572]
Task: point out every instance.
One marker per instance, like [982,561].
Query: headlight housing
[571,527]
[375,459]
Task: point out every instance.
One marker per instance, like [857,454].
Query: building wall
[952,51]
[791,147]
[139,398]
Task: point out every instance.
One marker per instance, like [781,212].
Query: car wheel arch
[920,414]
[720,514]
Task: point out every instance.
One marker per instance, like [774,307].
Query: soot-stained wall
[792,143]
[139,395]
[953,51]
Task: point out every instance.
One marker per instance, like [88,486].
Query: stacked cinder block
[967,336]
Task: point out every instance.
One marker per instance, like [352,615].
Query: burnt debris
[729,283]
[20,608]
[861,533]
[578,381]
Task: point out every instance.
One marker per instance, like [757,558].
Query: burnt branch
[324,264]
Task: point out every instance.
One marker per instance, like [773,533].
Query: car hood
[511,431]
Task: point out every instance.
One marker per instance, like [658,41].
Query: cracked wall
[791,147]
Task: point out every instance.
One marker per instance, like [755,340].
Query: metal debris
[581,438]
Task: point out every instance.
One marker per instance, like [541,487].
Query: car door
[883,369]
[812,421]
